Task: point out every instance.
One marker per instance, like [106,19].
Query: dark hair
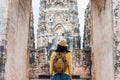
[61,49]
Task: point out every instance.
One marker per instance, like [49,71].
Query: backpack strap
[67,63]
[68,67]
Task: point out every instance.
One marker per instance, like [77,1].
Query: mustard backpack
[60,63]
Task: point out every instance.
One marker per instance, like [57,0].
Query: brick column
[14,29]
[102,40]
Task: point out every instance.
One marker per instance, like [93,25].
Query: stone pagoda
[58,19]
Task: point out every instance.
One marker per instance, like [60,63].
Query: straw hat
[62,43]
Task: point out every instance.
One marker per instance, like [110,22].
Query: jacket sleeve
[51,63]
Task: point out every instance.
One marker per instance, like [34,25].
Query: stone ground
[72,79]
[46,77]
[49,79]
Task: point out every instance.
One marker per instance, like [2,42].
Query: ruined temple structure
[31,40]
[2,55]
[3,40]
[14,29]
[101,39]
[87,39]
[104,41]
[87,30]
[58,19]
[116,38]
[31,46]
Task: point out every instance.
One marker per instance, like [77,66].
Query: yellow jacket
[69,60]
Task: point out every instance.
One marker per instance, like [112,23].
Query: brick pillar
[102,45]
[14,29]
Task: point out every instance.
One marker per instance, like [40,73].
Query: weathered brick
[14,28]
[102,40]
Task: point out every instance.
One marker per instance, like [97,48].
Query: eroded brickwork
[102,42]
[87,39]
[14,29]
[3,34]
[58,19]
[15,16]
[116,37]
[31,43]
[100,4]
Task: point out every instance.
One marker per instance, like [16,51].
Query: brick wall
[14,19]
[102,42]
[116,38]
[3,33]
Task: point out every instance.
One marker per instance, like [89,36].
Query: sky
[81,9]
